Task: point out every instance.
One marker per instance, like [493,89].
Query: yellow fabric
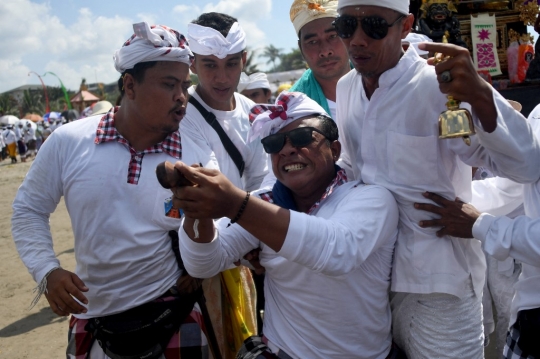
[12,150]
[238,308]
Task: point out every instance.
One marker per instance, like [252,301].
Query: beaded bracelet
[241,210]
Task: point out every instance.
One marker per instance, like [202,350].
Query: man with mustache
[387,114]
[104,166]
[323,51]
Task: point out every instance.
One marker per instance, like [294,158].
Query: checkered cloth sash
[189,341]
[512,349]
[339,179]
[107,132]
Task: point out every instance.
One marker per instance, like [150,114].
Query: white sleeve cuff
[481,227]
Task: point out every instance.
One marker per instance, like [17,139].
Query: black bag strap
[225,140]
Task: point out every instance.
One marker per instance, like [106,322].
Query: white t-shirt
[29,134]
[236,125]
[392,140]
[9,137]
[326,291]
[122,247]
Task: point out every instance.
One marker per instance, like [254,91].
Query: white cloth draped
[258,80]
[207,41]
[157,43]
[401,6]
[289,107]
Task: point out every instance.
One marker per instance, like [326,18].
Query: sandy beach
[37,332]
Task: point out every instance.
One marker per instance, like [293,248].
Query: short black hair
[217,21]
[329,128]
[137,72]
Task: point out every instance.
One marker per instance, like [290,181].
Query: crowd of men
[340,191]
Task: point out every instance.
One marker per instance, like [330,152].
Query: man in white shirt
[30,139]
[104,167]
[21,144]
[11,143]
[218,43]
[3,146]
[503,237]
[327,245]
[387,113]
[218,65]
[324,53]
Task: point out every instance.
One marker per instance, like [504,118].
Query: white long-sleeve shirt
[29,134]
[518,238]
[392,140]
[9,137]
[236,125]
[122,248]
[326,290]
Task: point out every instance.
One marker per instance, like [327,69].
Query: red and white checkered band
[107,132]
[341,178]
[277,110]
[267,196]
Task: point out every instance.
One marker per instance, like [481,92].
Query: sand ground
[38,332]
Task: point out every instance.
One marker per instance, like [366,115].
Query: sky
[76,39]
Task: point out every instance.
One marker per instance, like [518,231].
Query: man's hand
[465,85]
[212,196]
[61,286]
[457,217]
[253,258]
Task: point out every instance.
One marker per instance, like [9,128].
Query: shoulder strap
[225,140]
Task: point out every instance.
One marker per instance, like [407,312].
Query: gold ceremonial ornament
[455,121]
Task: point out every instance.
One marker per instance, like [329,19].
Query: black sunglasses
[299,137]
[374,26]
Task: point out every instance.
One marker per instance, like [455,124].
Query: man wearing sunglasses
[327,244]
[324,53]
[387,112]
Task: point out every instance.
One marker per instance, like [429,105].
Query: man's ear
[407,25]
[129,86]
[244,59]
[336,150]
[192,67]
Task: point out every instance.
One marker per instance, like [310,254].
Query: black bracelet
[241,210]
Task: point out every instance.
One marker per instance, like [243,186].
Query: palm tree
[251,66]
[8,105]
[272,53]
[32,102]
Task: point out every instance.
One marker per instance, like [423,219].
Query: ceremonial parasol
[8,120]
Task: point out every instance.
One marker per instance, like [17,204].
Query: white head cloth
[156,43]
[257,80]
[414,39]
[304,11]
[207,41]
[290,106]
[401,6]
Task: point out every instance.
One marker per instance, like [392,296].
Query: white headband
[401,6]
[258,80]
[207,41]
[289,107]
[156,43]
[304,11]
